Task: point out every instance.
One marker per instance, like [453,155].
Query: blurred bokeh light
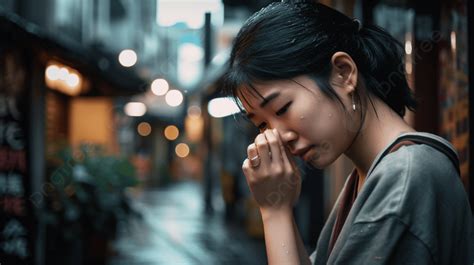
[171,132]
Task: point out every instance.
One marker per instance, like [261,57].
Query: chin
[316,165]
[321,162]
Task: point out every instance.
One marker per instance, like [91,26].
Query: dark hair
[291,38]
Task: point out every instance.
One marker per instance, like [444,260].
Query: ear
[344,72]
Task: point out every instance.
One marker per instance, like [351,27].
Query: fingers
[246,166]
[289,162]
[283,152]
[263,149]
[268,149]
[253,157]
[252,151]
[273,146]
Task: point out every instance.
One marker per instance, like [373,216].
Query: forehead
[252,95]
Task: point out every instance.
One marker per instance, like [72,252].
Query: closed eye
[280,112]
[283,109]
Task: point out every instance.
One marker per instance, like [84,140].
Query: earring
[353,103]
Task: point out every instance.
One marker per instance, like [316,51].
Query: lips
[308,155]
[304,152]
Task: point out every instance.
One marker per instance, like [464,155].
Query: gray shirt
[412,209]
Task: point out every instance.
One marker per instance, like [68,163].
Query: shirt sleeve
[387,241]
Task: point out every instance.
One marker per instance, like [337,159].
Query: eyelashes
[283,109]
[280,112]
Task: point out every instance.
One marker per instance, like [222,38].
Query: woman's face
[313,126]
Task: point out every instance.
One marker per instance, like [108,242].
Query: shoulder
[415,166]
[411,178]
[423,157]
[419,186]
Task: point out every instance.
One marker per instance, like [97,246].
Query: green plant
[88,193]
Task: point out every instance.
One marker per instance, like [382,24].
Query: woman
[318,85]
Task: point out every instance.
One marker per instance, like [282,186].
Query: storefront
[53,95]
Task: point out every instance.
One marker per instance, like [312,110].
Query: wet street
[175,231]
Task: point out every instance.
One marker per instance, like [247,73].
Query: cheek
[332,138]
[326,126]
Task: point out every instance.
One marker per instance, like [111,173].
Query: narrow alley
[175,230]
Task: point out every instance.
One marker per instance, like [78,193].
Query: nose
[288,137]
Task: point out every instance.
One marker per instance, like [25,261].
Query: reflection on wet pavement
[174,230]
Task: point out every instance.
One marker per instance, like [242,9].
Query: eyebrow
[266,101]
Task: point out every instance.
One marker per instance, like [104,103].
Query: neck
[375,135]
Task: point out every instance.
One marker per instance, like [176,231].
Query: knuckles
[272,141]
[278,170]
[260,139]
[260,142]
[251,147]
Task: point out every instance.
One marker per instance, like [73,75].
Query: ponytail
[379,57]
